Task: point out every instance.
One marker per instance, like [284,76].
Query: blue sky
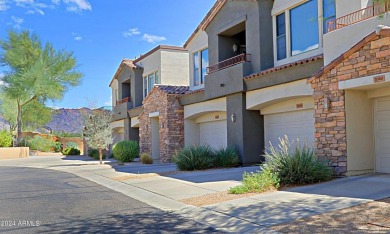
[101,33]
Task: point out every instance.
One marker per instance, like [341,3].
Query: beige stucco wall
[134,122]
[341,40]
[199,42]
[201,108]
[359,131]
[174,68]
[16,152]
[114,86]
[345,7]
[151,63]
[289,105]
[257,99]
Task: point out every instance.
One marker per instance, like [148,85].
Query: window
[281,36]
[196,69]
[304,27]
[204,63]
[201,62]
[149,82]
[329,12]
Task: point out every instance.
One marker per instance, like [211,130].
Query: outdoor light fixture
[233,117]
[235,47]
[326,104]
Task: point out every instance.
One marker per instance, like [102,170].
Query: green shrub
[226,157]
[70,151]
[41,144]
[5,139]
[256,183]
[72,145]
[146,158]
[194,158]
[94,153]
[57,147]
[288,164]
[126,151]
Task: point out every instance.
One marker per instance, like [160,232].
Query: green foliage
[94,153]
[226,157]
[35,72]
[41,144]
[66,134]
[288,164]
[57,147]
[256,183]
[5,139]
[194,158]
[126,151]
[146,158]
[35,115]
[71,145]
[70,151]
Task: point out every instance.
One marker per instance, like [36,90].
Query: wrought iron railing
[242,58]
[124,100]
[357,16]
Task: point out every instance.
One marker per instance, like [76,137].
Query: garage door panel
[296,125]
[382,135]
[213,133]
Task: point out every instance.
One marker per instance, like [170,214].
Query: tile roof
[285,66]
[125,62]
[194,92]
[343,56]
[170,89]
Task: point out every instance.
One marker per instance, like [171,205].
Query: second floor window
[149,82]
[329,9]
[281,36]
[201,62]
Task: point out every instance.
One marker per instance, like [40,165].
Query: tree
[34,114]
[97,130]
[35,72]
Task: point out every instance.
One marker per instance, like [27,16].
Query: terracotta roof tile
[170,89]
[125,62]
[191,92]
[284,66]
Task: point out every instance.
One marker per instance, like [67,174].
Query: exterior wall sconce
[222,85]
[235,48]
[327,104]
[233,117]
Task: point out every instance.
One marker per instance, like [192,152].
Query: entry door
[382,135]
[294,124]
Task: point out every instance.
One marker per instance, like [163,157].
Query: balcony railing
[357,16]
[242,58]
[124,100]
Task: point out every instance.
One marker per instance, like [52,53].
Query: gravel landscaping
[214,198]
[371,217]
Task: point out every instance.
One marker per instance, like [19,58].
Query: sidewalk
[161,186]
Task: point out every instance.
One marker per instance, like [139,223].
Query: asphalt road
[40,200]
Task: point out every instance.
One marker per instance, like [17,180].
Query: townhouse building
[250,81]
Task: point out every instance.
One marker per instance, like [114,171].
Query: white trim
[154,114]
[364,82]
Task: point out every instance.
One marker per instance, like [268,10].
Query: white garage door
[295,124]
[213,133]
[382,133]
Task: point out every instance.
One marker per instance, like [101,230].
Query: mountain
[68,120]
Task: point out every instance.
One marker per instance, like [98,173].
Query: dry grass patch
[371,217]
[134,176]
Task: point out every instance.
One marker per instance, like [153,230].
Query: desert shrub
[72,145]
[194,158]
[70,151]
[25,142]
[146,158]
[126,151]
[94,153]
[257,182]
[41,144]
[5,139]
[226,157]
[57,146]
[288,164]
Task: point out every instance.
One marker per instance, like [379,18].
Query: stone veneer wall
[171,123]
[330,125]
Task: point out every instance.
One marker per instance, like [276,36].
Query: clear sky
[101,33]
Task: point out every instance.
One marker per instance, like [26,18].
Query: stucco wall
[360,147]
[174,68]
[16,152]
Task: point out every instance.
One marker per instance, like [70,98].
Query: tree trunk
[19,122]
[101,155]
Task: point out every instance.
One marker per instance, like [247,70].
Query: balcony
[242,58]
[358,16]
[121,108]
